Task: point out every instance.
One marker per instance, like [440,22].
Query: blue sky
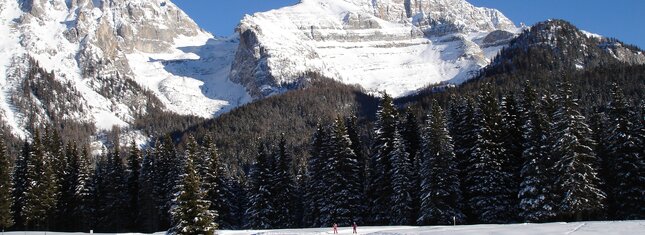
[622,19]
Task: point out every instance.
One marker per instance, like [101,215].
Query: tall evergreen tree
[412,140]
[20,184]
[536,195]
[189,211]
[401,210]
[283,187]
[6,187]
[441,198]
[83,210]
[148,218]
[463,130]
[260,211]
[625,162]
[380,190]
[167,171]
[577,180]
[132,183]
[315,184]
[39,195]
[67,201]
[343,173]
[115,198]
[512,136]
[489,185]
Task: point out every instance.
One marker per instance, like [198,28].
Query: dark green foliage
[490,186]
[402,184]
[132,183]
[260,212]
[283,187]
[149,213]
[189,211]
[380,189]
[6,188]
[577,182]
[624,162]
[39,195]
[536,195]
[441,198]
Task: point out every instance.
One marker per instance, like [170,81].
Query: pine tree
[441,198]
[67,201]
[114,202]
[83,210]
[260,212]
[401,211]
[133,172]
[489,185]
[463,130]
[6,187]
[537,199]
[412,140]
[577,180]
[512,136]
[380,190]
[189,211]
[626,164]
[148,218]
[315,185]
[283,187]
[20,184]
[168,166]
[39,196]
[342,174]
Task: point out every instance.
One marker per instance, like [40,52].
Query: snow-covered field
[582,228]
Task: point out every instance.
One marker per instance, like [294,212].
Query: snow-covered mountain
[97,47]
[112,61]
[396,46]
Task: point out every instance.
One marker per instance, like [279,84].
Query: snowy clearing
[581,228]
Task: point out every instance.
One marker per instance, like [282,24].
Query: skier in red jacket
[354,228]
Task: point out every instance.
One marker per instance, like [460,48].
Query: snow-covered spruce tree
[577,179]
[84,209]
[6,187]
[512,136]
[148,218]
[314,183]
[343,173]
[283,187]
[380,183]
[402,183]
[412,140]
[625,162]
[260,212]
[67,201]
[115,197]
[441,198]
[39,195]
[491,192]
[220,188]
[358,148]
[168,166]
[20,184]
[536,195]
[189,212]
[462,129]
[132,183]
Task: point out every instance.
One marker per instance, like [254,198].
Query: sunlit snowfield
[582,228]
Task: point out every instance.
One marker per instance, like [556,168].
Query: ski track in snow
[580,228]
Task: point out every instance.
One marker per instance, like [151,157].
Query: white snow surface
[579,228]
[371,44]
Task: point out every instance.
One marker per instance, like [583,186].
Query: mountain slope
[114,54]
[397,46]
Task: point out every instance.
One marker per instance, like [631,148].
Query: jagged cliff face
[396,46]
[114,53]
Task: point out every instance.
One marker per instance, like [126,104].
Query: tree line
[485,159]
